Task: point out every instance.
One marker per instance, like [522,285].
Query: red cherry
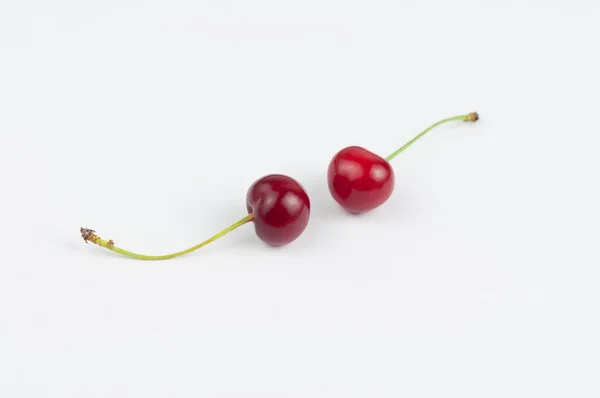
[277,204]
[281,209]
[360,180]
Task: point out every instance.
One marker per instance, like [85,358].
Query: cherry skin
[280,209]
[360,180]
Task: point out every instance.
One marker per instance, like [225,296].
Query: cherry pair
[279,207]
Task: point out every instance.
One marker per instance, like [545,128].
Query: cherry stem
[471,117]
[89,235]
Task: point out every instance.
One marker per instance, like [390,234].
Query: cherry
[281,209]
[277,205]
[360,180]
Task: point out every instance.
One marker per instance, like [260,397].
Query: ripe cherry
[281,209]
[360,180]
[277,205]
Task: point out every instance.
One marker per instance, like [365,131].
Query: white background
[148,121]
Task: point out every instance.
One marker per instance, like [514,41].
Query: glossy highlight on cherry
[277,204]
[360,180]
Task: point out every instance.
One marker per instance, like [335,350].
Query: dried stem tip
[89,235]
[472,117]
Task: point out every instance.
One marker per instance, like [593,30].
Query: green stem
[471,117]
[89,235]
